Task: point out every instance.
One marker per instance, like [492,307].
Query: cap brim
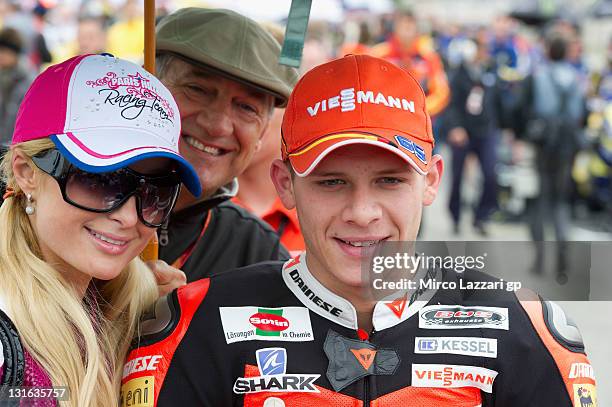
[87,153]
[413,150]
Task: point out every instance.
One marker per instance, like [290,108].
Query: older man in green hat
[222,68]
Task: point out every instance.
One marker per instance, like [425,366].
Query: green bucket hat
[229,44]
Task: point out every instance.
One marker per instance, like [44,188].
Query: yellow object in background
[126,39]
[151,250]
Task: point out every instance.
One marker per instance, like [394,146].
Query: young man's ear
[25,175]
[281,178]
[432,179]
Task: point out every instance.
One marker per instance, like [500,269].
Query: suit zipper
[366,380]
[366,391]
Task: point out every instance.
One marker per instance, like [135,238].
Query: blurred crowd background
[520,93]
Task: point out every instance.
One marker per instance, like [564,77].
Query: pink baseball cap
[104,113]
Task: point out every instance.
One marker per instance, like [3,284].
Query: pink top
[35,376]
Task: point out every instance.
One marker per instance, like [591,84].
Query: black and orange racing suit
[271,335]
[424,63]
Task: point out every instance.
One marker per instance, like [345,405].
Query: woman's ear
[24,174]
[281,178]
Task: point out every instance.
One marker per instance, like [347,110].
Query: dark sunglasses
[107,191]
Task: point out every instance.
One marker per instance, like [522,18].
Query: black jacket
[233,237]
[477,113]
[272,335]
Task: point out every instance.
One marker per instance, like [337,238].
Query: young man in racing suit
[358,166]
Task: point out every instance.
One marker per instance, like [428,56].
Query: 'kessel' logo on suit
[474,346]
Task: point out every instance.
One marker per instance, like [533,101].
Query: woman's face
[82,244]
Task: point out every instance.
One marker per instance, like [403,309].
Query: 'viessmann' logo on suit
[347,99]
[452,376]
[272,365]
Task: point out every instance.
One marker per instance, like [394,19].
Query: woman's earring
[29,209]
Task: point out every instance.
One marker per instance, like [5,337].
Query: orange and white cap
[357,99]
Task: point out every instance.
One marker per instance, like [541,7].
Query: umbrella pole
[149,40]
[151,251]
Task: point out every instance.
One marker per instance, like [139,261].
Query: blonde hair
[76,346]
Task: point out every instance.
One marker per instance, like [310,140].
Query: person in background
[318,46]
[504,46]
[556,99]
[513,61]
[222,69]
[30,23]
[257,192]
[40,55]
[15,78]
[415,53]
[358,39]
[91,38]
[88,181]
[126,36]
[473,122]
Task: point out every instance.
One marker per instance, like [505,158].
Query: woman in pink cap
[92,171]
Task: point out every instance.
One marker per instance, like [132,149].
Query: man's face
[405,29]
[8,58]
[222,123]
[91,37]
[357,196]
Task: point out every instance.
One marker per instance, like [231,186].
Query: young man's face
[357,196]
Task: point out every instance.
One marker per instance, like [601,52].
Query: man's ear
[432,179]
[264,133]
[24,174]
[281,178]
[258,145]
